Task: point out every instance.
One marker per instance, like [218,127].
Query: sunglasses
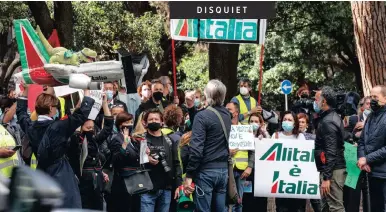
[120,105]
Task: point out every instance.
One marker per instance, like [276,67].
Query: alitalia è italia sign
[286,168]
[219,30]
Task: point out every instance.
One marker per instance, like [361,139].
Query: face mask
[288,126]
[154,126]
[109,95]
[56,116]
[244,91]
[187,123]
[316,107]
[130,128]
[255,126]
[367,112]
[115,127]
[88,134]
[146,94]
[304,96]
[197,102]
[158,96]
[374,105]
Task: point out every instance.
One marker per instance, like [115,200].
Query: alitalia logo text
[298,187]
[220,29]
[279,153]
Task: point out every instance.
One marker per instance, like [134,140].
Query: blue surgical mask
[255,126]
[288,126]
[367,112]
[316,107]
[197,102]
[109,95]
[56,116]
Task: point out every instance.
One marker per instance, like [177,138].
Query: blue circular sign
[286,87]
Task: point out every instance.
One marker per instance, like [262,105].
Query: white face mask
[146,93]
[244,91]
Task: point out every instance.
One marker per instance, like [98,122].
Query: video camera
[347,103]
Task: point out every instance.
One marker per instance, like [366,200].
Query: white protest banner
[97,96]
[286,168]
[64,90]
[241,137]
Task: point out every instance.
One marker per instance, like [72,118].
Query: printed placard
[286,168]
[241,137]
[98,97]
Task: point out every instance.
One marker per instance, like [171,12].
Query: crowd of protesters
[139,155]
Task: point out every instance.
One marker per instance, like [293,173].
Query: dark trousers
[91,194]
[352,197]
[290,205]
[252,203]
[377,194]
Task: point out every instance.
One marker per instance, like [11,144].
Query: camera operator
[305,105]
[163,163]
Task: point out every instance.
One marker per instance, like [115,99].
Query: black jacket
[49,141]
[208,145]
[95,158]
[330,142]
[372,143]
[148,105]
[171,151]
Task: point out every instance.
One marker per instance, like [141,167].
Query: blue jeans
[240,190]
[211,183]
[161,198]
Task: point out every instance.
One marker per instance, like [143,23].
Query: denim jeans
[161,198]
[240,190]
[211,183]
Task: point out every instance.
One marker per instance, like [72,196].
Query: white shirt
[283,136]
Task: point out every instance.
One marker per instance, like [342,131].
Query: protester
[208,159]
[173,117]
[247,103]
[329,151]
[125,161]
[199,100]
[355,123]
[49,137]
[289,130]
[303,126]
[244,160]
[251,203]
[111,93]
[371,149]
[168,87]
[144,91]
[87,161]
[164,165]
[157,90]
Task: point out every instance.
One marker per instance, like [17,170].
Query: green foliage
[106,26]
[11,10]
[195,67]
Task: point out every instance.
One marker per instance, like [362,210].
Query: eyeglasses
[120,105]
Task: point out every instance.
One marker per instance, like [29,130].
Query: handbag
[232,195]
[138,182]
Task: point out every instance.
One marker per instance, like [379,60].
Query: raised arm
[108,123]
[23,118]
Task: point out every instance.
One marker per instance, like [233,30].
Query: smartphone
[16,148]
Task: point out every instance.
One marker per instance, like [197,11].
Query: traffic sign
[286,87]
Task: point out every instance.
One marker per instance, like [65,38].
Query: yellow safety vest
[240,159]
[243,107]
[167,131]
[62,107]
[34,162]
[7,164]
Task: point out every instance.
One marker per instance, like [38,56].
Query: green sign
[353,172]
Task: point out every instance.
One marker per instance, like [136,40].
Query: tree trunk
[41,14]
[64,22]
[223,61]
[370,34]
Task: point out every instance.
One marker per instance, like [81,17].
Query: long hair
[295,131]
[261,120]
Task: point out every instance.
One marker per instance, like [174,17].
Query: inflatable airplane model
[42,66]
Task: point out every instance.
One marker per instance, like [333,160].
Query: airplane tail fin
[33,55]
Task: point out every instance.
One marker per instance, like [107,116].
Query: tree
[370,32]
[223,61]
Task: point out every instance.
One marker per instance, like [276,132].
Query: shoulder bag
[232,195]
